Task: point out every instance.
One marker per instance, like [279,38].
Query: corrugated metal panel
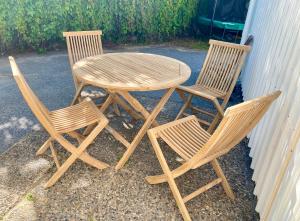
[274,63]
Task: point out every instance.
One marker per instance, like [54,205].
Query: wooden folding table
[122,73]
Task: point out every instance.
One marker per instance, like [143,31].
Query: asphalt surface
[50,77]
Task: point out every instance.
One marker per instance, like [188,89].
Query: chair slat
[221,65]
[82,44]
[238,121]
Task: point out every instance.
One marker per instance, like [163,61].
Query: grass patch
[119,156]
[190,43]
[197,44]
[30,197]
[91,218]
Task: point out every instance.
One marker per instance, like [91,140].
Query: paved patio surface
[85,193]
[50,77]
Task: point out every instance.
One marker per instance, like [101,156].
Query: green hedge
[39,23]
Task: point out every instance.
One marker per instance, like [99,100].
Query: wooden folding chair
[80,45]
[216,80]
[64,121]
[197,147]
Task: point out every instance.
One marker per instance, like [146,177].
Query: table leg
[137,106]
[127,108]
[149,121]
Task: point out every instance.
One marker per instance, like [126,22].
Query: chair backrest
[36,106]
[222,66]
[238,121]
[82,44]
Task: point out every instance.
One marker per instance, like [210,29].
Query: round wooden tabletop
[131,71]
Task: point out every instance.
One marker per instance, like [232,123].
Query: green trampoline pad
[222,24]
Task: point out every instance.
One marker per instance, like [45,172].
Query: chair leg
[76,154]
[116,109]
[77,94]
[127,108]
[44,147]
[61,170]
[170,179]
[79,137]
[218,116]
[218,107]
[185,106]
[54,155]
[215,164]
[178,198]
[85,157]
[175,173]
[213,124]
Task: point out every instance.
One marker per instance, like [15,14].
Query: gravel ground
[85,193]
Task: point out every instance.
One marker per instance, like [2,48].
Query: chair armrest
[191,90]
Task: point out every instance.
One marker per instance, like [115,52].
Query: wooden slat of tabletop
[132,71]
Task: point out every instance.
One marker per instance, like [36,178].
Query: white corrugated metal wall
[274,63]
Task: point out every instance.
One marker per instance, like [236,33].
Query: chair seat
[203,92]
[185,136]
[75,117]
